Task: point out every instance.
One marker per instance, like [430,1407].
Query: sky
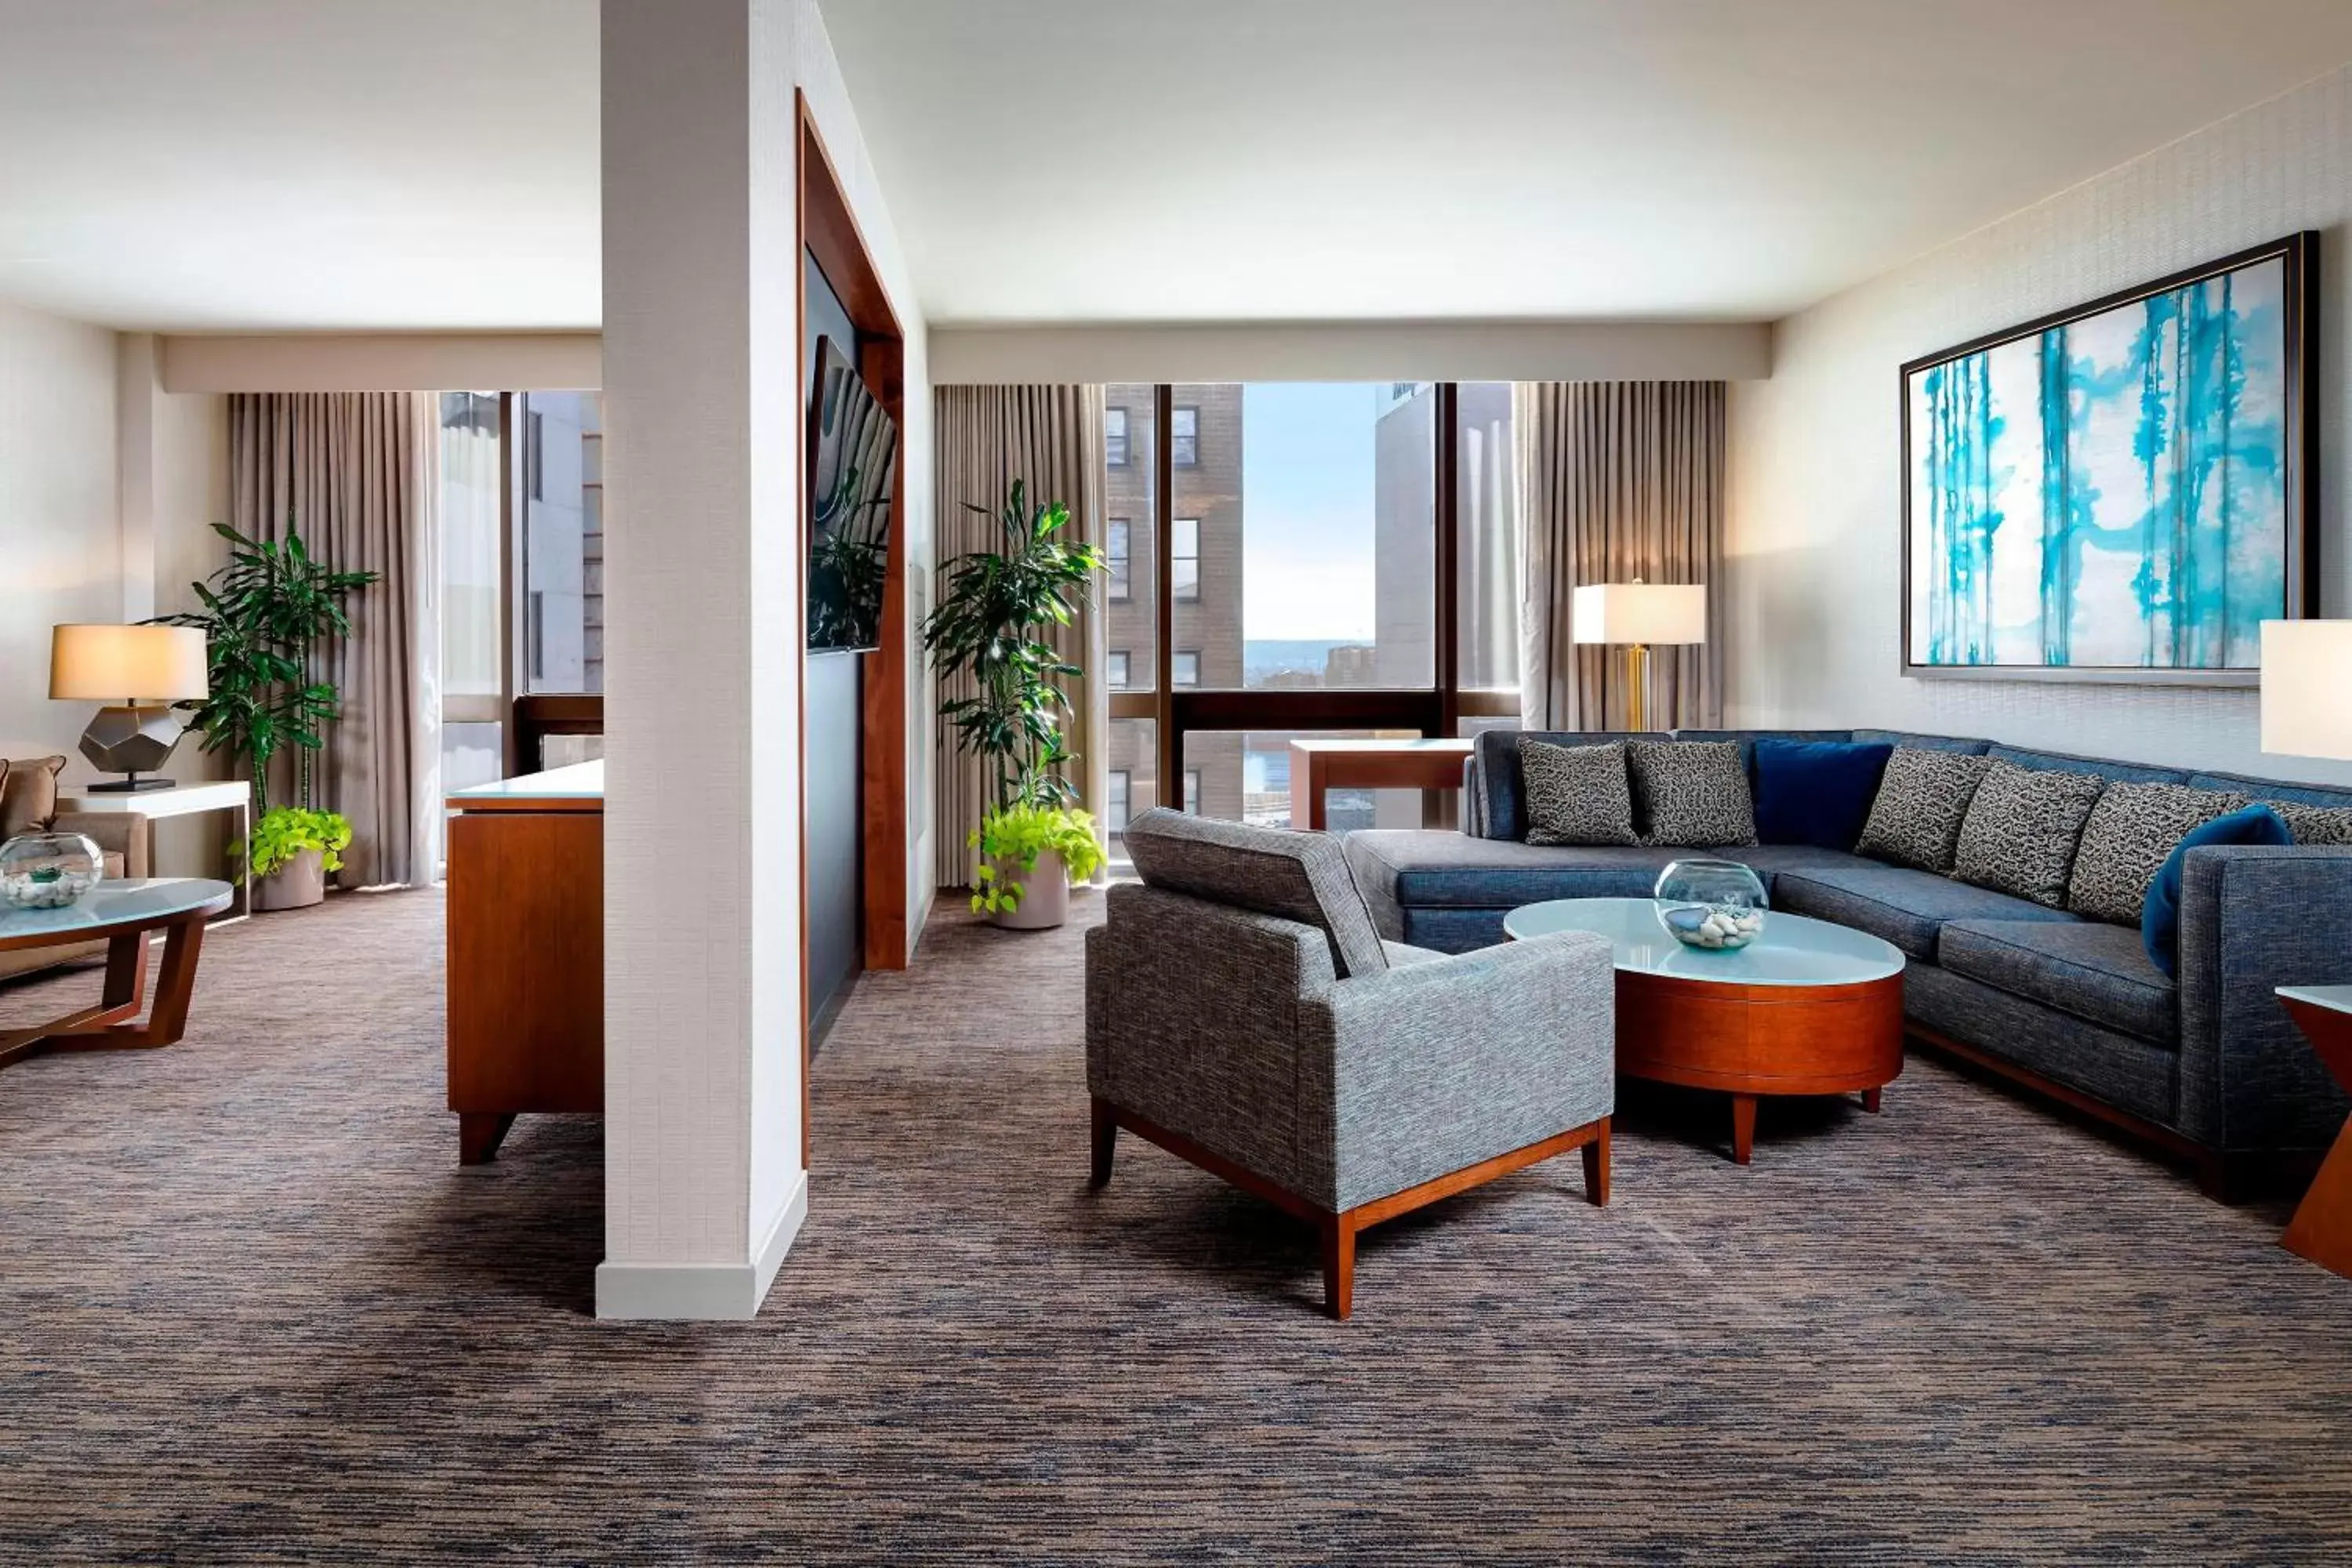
[1307,510]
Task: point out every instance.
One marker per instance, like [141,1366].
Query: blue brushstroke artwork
[2110,493]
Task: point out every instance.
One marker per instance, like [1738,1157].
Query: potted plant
[266,616]
[993,608]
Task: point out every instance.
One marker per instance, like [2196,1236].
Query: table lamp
[2307,687]
[1635,616]
[138,672]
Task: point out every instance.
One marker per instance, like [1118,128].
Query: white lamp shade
[1639,613]
[2307,687]
[126,664]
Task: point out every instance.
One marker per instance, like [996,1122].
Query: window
[473,618]
[1184,438]
[561,529]
[1115,809]
[1192,791]
[1115,669]
[1487,540]
[1115,551]
[1187,671]
[1184,559]
[1115,437]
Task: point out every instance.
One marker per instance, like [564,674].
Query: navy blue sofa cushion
[2160,916]
[2091,969]
[1897,903]
[1815,791]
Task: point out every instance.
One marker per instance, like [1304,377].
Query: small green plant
[284,832]
[1018,835]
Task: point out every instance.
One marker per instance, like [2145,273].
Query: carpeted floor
[251,1310]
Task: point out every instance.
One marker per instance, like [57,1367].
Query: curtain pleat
[1618,480]
[1050,437]
[348,470]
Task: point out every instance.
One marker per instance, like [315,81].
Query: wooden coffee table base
[1755,1040]
[105,1027]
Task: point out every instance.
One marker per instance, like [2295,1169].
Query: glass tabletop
[120,900]
[1792,949]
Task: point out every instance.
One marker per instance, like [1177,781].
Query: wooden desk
[1319,766]
[526,1016]
[2322,1227]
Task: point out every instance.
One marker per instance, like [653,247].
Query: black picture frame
[2299,253]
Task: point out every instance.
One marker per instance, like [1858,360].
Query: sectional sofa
[2207,1068]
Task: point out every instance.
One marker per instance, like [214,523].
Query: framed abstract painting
[2121,492]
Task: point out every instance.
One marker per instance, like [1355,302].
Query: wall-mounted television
[853,464]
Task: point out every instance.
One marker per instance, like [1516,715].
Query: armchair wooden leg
[1338,1264]
[1596,1168]
[479,1133]
[1106,1139]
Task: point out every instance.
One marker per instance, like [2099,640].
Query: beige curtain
[350,471]
[1618,480]
[1050,437]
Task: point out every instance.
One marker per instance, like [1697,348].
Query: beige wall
[383,362]
[1814,547]
[1366,351]
[108,488]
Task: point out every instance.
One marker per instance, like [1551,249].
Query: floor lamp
[1635,615]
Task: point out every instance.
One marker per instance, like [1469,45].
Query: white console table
[180,800]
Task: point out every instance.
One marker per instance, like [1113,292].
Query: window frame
[1175,457]
[1183,594]
[1119,669]
[1123,454]
[1122,780]
[1119,544]
[1435,710]
[1177,682]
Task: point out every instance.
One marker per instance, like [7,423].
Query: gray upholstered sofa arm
[1439,1065]
[2252,919]
[1192,1021]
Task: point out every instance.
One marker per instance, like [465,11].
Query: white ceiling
[193,164]
[288,164]
[1171,159]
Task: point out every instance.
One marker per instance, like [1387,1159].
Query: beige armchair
[120,837]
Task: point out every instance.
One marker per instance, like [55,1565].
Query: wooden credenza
[526,1014]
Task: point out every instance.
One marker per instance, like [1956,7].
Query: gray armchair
[1243,1014]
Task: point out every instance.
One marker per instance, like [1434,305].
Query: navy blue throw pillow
[2159,918]
[1816,792]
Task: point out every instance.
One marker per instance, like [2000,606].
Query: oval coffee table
[1806,1008]
[122,912]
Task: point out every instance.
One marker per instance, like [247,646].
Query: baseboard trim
[702,1292]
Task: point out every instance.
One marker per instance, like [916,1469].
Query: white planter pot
[1045,893]
[296,885]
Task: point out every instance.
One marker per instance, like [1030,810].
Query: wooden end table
[1807,1008]
[123,913]
[2322,1227]
[1318,767]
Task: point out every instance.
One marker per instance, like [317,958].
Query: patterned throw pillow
[2022,828]
[1577,794]
[1922,801]
[2125,844]
[2315,824]
[1691,794]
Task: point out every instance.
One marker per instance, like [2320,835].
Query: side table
[180,800]
[1408,762]
[2322,1227]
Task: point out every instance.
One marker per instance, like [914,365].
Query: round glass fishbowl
[1714,904]
[47,871]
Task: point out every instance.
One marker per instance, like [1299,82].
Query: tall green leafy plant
[994,611]
[267,616]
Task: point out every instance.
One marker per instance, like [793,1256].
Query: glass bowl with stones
[1717,906]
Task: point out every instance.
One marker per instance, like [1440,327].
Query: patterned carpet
[251,1311]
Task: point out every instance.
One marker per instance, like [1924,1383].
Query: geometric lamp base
[127,739]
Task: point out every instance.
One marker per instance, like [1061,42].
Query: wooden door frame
[827,230]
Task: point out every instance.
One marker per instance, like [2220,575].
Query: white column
[703,1183]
